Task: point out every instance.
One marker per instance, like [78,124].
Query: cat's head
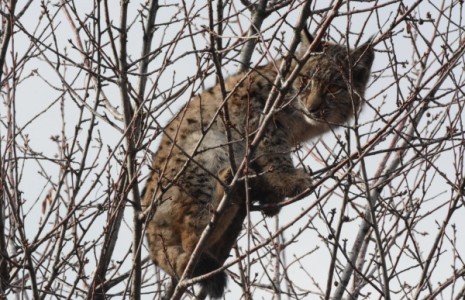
[333,81]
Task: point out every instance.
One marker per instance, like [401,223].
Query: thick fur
[192,165]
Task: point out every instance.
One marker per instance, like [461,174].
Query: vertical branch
[371,202]
[149,30]
[242,273]
[13,172]
[215,44]
[114,219]
[131,136]
[219,29]
[371,218]
[276,272]
[7,29]
[97,288]
[133,127]
[337,238]
[4,257]
[258,16]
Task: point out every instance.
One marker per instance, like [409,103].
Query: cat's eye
[305,82]
[333,89]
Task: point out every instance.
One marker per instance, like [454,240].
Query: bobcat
[192,165]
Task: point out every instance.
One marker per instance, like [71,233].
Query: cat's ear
[307,39]
[363,57]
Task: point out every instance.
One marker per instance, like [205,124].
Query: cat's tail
[214,285]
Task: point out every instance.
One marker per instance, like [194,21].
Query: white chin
[311,121]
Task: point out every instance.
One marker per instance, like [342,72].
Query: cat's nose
[314,103]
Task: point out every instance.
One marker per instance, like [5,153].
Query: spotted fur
[192,164]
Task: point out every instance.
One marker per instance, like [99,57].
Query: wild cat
[192,165]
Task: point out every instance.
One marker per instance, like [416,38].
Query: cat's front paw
[298,182]
[271,209]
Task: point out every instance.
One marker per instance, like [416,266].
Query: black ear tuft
[363,57]
[364,54]
[307,39]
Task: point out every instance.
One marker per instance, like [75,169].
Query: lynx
[192,165]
